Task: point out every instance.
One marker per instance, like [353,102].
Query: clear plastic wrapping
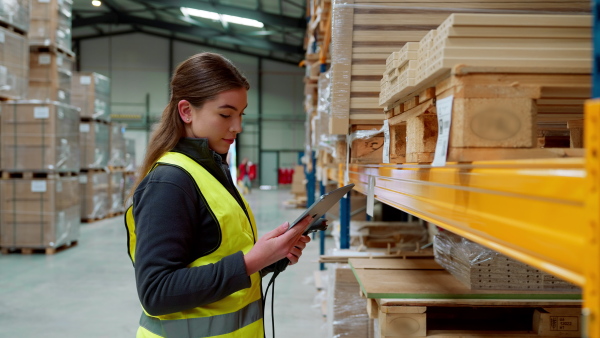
[116,185]
[94,191]
[39,136]
[347,310]
[91,92]
[118,147]
[39,213]
[130,162]
[94,144]
[14,65]
[481,268]
[50,76]
[50,23]
[15,13]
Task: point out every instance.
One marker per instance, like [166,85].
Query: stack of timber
[503,105]
[418,298]
[365,32]
[481,268]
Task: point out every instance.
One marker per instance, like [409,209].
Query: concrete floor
[89,290]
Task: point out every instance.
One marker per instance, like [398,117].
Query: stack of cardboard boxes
[39,128]
[91,92]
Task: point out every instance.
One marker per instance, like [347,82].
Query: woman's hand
[278,244]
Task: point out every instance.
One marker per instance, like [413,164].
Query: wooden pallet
[29,251]
[448,318]
[37,174]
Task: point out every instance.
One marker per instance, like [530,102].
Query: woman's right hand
[274,245]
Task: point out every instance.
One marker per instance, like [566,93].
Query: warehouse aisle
[89,290]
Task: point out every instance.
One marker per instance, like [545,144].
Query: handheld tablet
[323,204]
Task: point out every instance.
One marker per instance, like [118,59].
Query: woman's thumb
[280,230]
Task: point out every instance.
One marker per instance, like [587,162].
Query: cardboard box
[50,76]
[94,191]
[94,144]
[91,92]
[39,213]
[14,65]
[37,136]
[50,23]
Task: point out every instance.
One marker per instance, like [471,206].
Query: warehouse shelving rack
[543,212]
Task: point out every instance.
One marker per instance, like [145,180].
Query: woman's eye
[225,116]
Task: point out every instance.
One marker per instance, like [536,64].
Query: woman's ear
[185,111]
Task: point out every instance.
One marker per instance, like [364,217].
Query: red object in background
[280,176]
[284,175]
[252,171]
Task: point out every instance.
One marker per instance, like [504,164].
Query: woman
[192,236]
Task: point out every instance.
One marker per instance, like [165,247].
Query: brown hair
[198,79]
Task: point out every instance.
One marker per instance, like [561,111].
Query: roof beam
[190,41]
[264,17]
[113,18]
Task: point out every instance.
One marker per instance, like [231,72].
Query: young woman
[192,237]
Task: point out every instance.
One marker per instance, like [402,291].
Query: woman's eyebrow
[228,106]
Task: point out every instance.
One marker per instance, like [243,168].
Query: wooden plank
[365,103]
[522,20]
[516,32]
[576,133]
[390,36]
[523,42]
[365,86]
[478,302]
[377,70]
[341,53]
[394,264]
[490,154]
[437,284]
[489,51]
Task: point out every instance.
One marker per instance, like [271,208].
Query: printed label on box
[444,115]
[2,38]
[564,323]
[85,80]
[84,127]
[44,59]
[59,60]
[38,186]
[58,186]
[41,112]
[83,179]
[3,75]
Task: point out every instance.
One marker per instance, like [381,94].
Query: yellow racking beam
[531,210]
[591,259]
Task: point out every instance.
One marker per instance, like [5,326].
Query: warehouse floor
[89,291]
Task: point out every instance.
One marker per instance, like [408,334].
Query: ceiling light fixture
[216,16]
[96,3]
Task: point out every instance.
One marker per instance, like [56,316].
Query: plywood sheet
[394,264]
[436,284]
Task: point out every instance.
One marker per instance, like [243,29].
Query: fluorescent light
[217,16]
[96,3]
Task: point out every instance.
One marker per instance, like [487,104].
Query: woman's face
[219,120]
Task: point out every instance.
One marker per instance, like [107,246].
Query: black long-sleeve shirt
[174,228]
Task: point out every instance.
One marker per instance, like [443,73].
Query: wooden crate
[365,32]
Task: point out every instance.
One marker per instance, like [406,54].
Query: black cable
[272,281]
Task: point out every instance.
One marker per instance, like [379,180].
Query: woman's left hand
[296,251]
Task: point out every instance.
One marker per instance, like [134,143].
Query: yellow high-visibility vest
[239,315]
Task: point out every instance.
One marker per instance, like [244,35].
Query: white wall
[138,65]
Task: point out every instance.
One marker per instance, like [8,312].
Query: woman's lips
[229,140]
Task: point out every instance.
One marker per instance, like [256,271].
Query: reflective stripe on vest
[238,232]
[204,327]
